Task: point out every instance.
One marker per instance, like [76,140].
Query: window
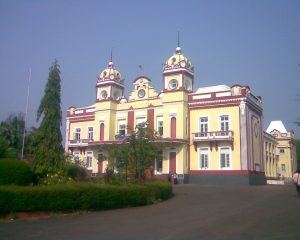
[203,124]
[204,158]
[90,133]
[173,84]
[101,131]
[224,122]
[77,133]
[173,127]
[283,168]
[140,122]
[160,126]
[121,127]
[257,167]
[89,159]
[186,126]
[225,158]
[76,156]
[158,163]
[100,157]
[281,150]
[103,94]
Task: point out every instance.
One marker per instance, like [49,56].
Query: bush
[80,196]
[76,172]
[55,178]
[160,190]
[15,172]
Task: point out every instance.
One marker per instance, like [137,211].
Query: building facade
[213,135]
[280,152]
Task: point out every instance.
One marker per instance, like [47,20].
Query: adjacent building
[212,134]
[280,151]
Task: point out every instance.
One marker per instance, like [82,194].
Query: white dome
[178,60]
[110,73]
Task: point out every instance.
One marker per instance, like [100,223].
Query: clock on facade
[111,77]
[103,94]
[182,64]
[141,93]
[173,84]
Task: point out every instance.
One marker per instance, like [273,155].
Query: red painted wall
[101,131]
[173,127]
[130,121]
[150,118]
[172,162]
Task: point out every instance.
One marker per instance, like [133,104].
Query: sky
[255,43]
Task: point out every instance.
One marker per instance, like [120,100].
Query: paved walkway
[196,212]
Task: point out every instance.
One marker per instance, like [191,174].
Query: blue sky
[256,43]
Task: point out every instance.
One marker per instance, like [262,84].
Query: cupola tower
[178,72]
[110,85]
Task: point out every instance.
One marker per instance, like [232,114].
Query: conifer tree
[48,154]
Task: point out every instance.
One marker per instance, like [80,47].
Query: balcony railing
[213,136]
[121,137]
[81,141]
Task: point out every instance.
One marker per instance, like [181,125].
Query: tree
[137,156]
[11,134]
[48,154]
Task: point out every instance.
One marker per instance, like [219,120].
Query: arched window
[173,127]
[101,131]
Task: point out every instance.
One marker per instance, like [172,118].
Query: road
[195,212]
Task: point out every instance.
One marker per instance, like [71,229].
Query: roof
[218,88]
[278,125]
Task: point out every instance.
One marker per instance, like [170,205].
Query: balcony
[213,136]
[80,142]
[122,137]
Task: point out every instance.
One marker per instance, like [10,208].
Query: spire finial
[111,54]
[178,49]
[110,64]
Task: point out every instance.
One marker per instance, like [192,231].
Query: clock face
[182,64]
[103,94]
[141,93]
[173,84]
[111,76]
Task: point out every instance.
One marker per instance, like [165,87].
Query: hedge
[83,196]
[16,172]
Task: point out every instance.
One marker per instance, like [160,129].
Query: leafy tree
[137,156]
[12,130]
[3,147]
[48,154]
[11,136]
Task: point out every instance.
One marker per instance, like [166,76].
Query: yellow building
[270,156]
[214,134]
[280,151]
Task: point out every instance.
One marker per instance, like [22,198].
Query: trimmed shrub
[76,172]
[161,190]
[15,172]
[83,196]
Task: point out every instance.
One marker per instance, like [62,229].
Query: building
[280,151]
[214,134]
